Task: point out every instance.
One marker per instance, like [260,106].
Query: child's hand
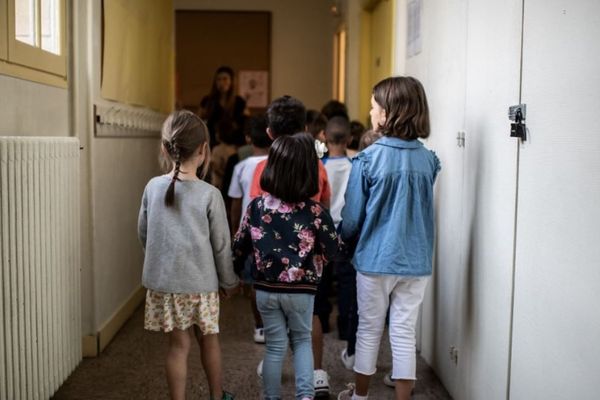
[228,293]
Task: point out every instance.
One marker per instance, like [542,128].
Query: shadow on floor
[132,366]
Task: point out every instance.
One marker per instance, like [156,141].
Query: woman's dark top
[229,122]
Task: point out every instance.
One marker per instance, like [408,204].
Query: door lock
[517,114]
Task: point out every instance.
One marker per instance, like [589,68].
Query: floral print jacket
[291,244]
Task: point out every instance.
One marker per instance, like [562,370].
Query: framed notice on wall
[413,37]
[254,88]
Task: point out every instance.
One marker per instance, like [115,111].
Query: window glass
[50,26]
[25,21]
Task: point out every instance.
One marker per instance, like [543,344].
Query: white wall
[32,109]
[302,44]
[557,321]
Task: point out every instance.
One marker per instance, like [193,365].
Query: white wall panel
[557,322]
[493,69]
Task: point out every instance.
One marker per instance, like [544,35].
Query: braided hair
[182,133]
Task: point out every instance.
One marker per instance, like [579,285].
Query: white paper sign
[414,41]
[254,88]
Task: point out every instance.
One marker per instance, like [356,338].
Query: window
[339,65]
[35,38]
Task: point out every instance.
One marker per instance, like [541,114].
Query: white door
[556,340]
[488,212]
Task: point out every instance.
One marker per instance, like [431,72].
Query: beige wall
[302,44]
[32,109]
[122,167]
[115,171]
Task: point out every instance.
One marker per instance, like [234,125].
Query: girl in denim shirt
[291,238]
[389,214]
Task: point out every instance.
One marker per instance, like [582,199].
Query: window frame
[3,30]
[30,62]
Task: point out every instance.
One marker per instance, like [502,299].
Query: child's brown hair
[405,103]
[182,133]
[368,138]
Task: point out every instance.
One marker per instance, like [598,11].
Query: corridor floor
[132,366]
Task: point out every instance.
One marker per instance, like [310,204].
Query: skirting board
[95,344]
[89,346]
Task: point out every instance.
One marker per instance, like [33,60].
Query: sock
[357,397]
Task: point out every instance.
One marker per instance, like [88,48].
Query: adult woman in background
[224,111]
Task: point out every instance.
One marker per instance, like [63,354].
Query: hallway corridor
[507,100]
[132,366]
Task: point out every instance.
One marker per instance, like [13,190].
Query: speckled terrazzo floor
[132,366]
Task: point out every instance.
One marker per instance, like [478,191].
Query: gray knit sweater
[187,246]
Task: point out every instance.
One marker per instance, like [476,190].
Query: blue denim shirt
[389,208]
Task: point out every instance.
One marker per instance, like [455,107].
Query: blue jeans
[280,312]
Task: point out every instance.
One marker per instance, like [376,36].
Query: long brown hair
[215,95]
[182,133]
[405,103]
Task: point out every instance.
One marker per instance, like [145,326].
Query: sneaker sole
[322,392]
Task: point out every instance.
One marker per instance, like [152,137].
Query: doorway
[206,40]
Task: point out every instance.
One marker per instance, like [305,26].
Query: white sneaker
[259,335]
[347,360]
[388,381]
[321,382]
[259,369]
[348,393]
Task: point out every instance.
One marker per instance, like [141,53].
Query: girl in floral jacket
[292,239]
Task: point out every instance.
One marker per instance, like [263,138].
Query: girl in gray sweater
[183,228]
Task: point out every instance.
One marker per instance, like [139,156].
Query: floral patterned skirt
[167,311]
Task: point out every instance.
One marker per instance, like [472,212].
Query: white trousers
[403,295]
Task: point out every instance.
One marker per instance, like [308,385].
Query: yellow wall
[138,54]
[382,40]
[365,66]
[376,50]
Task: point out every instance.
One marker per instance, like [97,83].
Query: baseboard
[89,346]
[108,331]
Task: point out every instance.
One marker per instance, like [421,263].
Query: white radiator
[40,335]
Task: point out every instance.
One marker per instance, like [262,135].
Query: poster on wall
[254,88]
[414,41]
